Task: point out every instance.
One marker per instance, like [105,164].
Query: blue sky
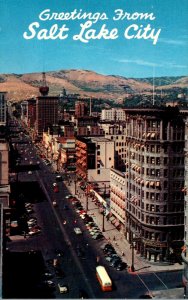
[129,57]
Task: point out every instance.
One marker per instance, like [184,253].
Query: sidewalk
[120,244]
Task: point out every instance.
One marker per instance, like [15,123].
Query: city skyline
[163,51]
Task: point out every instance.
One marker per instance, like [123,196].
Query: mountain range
[85,83]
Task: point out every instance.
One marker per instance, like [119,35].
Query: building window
[98,152]
[98,172]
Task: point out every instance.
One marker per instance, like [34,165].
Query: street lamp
[132,247]
[103,221]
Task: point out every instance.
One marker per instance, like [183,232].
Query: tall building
[46,113]
[4,200]
[81,109]
[116,132]
[46,109]
[113,114]
[154,203]
[95,158]
[31,113]
[185,248]
[3,108]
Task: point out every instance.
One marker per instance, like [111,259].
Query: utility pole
[103,221]
[133,247]
[132,266]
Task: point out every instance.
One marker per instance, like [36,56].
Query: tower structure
[44,89]
[46,109]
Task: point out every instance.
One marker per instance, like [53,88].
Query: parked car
[47,275]
[103,246]
[111,257]
[54,202]
[49,283]
[97,236]
[31,222]
[59,178]
[28,205]
[121,266]
[34,232]
[77,230]
[69,196]
[63,288]
[115,262]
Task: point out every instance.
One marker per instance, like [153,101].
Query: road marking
[144,284]
[161,280]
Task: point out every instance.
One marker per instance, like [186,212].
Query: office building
[81,109]
[46,113]
[154,180]
[185,190]
[95,158]
[3,109]
[113,114]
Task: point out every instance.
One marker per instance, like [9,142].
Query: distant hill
[162,81]
[83,82]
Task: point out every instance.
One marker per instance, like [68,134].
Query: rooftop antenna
[90,106]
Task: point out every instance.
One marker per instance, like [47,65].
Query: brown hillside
[83,82]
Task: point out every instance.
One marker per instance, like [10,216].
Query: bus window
[103,278]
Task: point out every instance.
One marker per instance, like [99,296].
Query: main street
[57,225]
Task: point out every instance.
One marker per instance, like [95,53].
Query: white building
[117,133]
[117,198]
[104,154]
[114,114]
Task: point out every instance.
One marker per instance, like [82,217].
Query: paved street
[57,233]
[142,266]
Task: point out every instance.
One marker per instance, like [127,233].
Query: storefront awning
[99,198]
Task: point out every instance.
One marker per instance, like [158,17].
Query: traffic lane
[52,235]
[91,249]
[48,242]
[89,262]
[67,238]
